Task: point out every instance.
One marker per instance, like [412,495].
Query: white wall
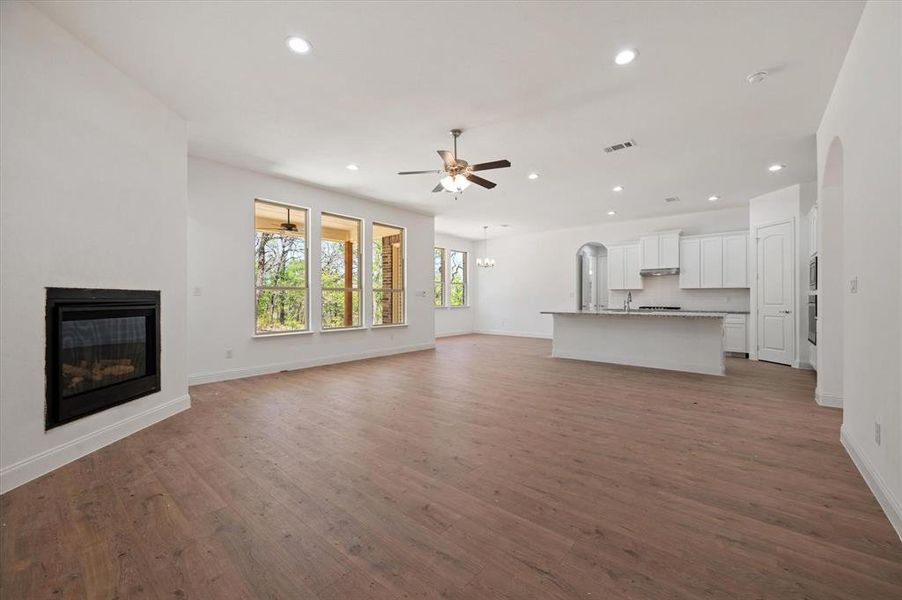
[865,115]
[221,270]
[92,194]
[787,204]
[537,271]
[459,320]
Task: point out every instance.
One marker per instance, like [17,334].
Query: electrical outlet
[877,433]
[853,285]
[228,353]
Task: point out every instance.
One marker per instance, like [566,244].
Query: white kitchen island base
[690,342]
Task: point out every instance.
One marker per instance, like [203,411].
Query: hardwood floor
[481,470]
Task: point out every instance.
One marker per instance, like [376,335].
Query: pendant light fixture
[486,262]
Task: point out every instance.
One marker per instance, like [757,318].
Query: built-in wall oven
[812,274]
[812,318]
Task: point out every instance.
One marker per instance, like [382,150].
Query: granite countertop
[619,312]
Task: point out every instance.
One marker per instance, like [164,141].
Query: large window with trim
[438,268]
[457,278]
[340,262]
[280,268]
[389,302]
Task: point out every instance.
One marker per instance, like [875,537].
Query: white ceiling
[532,82]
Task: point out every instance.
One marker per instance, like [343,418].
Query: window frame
[360,284]
[466,281]
[443,301]
[403,290]
[307,311]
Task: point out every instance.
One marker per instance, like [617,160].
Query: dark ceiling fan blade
[480,181]
[447,157]
[438,188]
[419,172]
[495,164]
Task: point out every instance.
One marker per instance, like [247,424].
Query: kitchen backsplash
[665,291]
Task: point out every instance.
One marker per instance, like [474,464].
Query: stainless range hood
[659,272]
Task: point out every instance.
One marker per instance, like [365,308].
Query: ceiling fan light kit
[458,173]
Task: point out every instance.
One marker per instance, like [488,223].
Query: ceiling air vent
[671,199]
[621,146]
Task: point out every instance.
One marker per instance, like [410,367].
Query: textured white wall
[865,114]
[92,194]
[220,264]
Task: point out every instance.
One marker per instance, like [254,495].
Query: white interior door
[776,299]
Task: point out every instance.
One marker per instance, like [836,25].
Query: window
[280,267]
[457,263]
[438,262]
[340,271]
[388,275]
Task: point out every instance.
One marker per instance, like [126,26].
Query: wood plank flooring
[483,469]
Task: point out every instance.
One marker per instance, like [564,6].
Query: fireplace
[103,349]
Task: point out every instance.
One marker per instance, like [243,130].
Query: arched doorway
[591,276]
[831,280]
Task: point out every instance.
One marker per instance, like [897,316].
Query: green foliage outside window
[281,282]
[457,263]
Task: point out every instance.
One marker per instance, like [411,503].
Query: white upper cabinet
[624,263]
[648,248]
[735,261]
[714,261]
[660,250]
[632,279]
[690,263]
[669,250]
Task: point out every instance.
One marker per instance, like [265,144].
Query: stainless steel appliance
[812,318]
[812,274]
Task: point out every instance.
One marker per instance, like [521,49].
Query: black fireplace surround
[103,349]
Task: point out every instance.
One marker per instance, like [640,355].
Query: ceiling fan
[288,226]
[459,173]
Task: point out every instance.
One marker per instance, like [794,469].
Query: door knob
[786,312]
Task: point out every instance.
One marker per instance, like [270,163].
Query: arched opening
[591,276]
[831,280]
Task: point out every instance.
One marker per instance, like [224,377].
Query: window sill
[453,307]
[337,329]
[261,336]
[390,326]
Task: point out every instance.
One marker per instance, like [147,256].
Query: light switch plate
[853,285]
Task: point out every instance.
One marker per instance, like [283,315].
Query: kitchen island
[675,340]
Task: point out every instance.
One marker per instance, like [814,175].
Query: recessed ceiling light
[617,188]
[776,167]
[298,45]
[625,57]
[611,213]
[352,167]
[533,176]
[713,198]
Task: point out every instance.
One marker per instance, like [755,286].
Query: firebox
[103,349]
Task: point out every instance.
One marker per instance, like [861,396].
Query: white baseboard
[454,333]
[40,464]
[214,376]
[527,334]
[884,495]
[830,400]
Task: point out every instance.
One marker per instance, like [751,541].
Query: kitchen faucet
[626,303]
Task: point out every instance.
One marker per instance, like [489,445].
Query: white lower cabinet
[735,333]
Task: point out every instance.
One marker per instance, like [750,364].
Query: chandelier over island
[485,262]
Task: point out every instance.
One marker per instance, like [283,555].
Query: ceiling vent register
[621,146]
